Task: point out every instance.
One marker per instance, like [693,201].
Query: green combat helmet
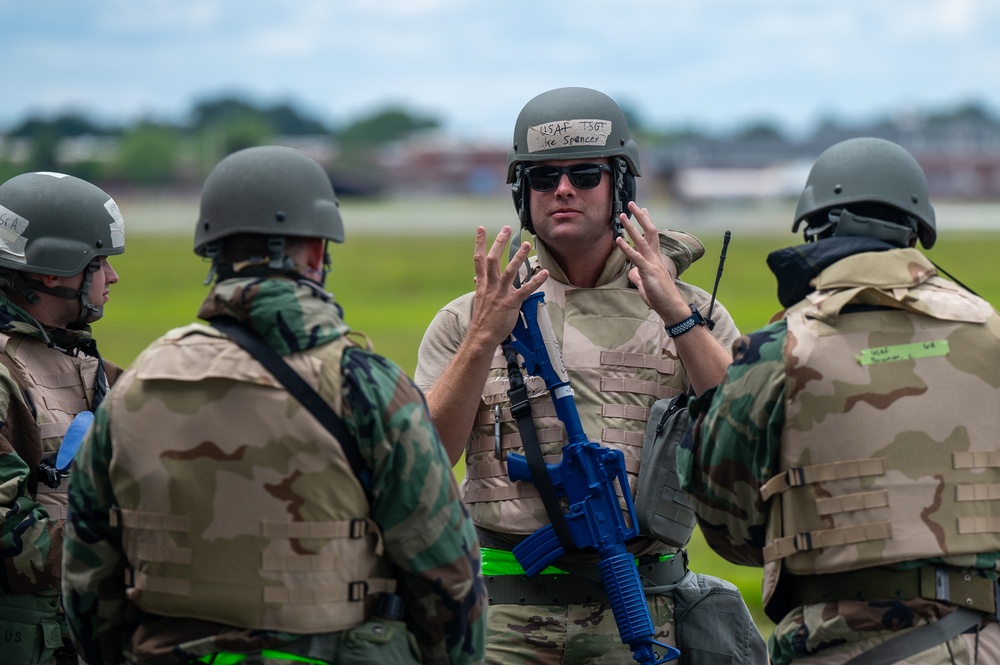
[867,187]
[271,191]
[56,224]
[573,123]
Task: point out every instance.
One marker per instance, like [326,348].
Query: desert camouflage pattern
[619,360]
[887,475]
[41,388]
[282,559]
[215,510]
[62,386]
[865,418]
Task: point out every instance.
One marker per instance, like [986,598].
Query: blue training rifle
[587,476]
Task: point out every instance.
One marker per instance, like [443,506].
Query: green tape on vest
[897,352]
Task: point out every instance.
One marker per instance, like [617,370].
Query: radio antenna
[718,276]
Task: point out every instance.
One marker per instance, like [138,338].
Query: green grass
[391,287]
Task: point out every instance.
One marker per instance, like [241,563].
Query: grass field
[392,285]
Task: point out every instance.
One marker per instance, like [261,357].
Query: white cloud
[711,62]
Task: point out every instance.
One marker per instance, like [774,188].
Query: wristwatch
[696,319]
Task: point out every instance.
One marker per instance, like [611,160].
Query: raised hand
[497,302]
[652,274]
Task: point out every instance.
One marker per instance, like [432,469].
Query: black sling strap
[520,408]
[919,639]
[298,388]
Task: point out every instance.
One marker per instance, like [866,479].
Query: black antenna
[718,276]
[953,278]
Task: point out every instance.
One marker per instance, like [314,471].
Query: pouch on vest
[378,640]
[662,509]
[29,628]
[714,626]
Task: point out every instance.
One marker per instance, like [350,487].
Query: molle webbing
[805,541]
[964,588]
[617,359]
[55,499]
[637,386]
[499,469]
[354,529]
[820,473]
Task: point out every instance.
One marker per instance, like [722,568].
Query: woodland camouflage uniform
[382,410]
[31,533]
[217,520]
[850,451]
[51,375]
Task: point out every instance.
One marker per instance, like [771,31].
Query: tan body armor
[619,360]
[889,451]
[237,506]
[59,386]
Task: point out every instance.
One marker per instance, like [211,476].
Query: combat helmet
[572,123]
[858,175]
[271,191]
[56,224]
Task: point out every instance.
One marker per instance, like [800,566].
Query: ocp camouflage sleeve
[427,530]
[734,447]
[30,540]
[93,559]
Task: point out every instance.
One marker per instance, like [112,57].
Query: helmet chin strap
[617,204]
[89,313]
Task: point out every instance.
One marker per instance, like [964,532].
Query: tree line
[156,153]
[150,153]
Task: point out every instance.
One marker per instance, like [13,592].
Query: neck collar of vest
[796,267]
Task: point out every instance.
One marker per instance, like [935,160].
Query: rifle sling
[920,639]
[297,387]
[520,408]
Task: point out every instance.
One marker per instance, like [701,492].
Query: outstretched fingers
[497,299]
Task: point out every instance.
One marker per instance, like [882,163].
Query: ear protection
[624,191]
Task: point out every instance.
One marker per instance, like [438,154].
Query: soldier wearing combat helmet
[262,489]
[572,167]
[848,450]
[57,233]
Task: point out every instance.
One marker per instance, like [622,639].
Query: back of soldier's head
[867,187]
[265,197]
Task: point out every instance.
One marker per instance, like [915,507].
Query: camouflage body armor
[888,453]
[619,359]
[302,556]
[59,386]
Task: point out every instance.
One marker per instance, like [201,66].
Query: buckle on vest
[359,528]
[795,476]
[519,405]
[357,590]
[803,541]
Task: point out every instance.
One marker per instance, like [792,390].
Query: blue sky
[712,64]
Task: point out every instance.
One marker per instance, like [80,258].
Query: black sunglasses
[545,178]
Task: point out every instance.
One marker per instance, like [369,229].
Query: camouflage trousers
[580,634]
[804,635]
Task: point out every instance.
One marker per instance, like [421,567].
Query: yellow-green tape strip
[897,352]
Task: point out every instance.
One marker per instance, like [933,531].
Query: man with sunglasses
[629,335]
